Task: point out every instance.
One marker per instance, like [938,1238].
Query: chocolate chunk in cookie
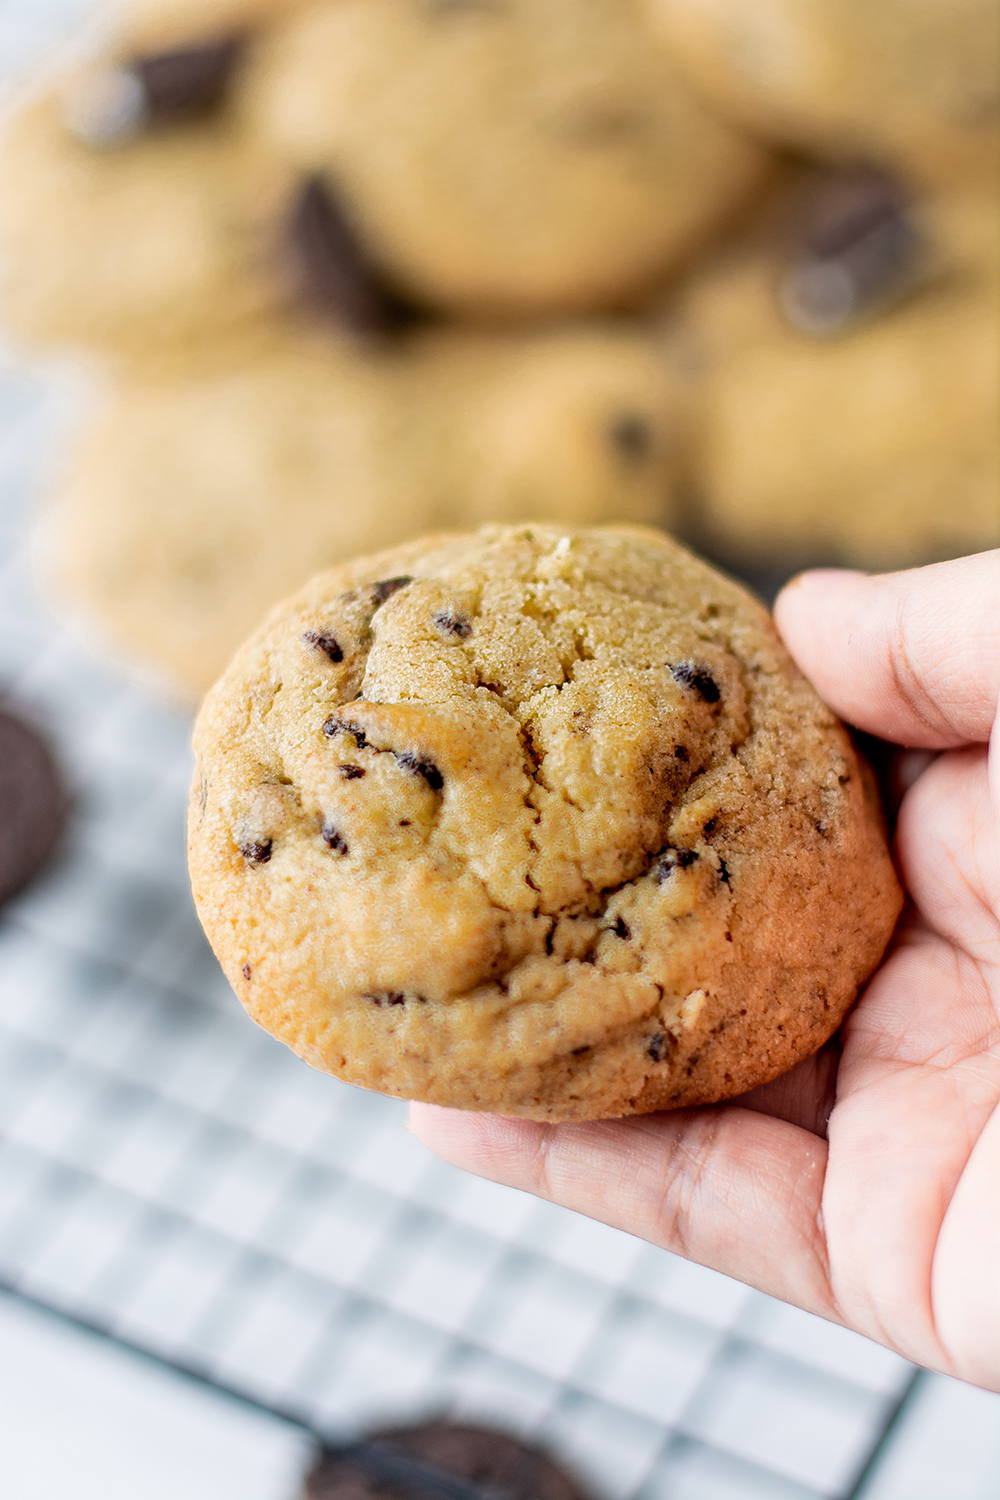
[335,275]
[107,106]
[860,253]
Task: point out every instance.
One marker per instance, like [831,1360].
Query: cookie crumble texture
[599,851]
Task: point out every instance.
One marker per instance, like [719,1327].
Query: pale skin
[865,1185]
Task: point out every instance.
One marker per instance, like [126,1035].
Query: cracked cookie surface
[536,821]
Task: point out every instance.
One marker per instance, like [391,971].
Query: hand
[865,1185]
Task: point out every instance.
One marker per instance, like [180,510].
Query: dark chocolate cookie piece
[32,804]
[439,1461]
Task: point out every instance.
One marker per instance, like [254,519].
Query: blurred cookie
[150,239]
[842,381]
[425,1463]
[505,159]
[495,159]
[218,482]
[538,821]
[911,83]
[145,26]
[32,804]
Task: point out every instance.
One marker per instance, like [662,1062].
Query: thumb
[911,657]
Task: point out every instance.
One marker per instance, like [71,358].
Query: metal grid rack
[171,1175]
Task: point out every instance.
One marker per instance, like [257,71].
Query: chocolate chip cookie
[913,84]
[505,159]
[496,159]
[538,821]
[216,483]
[841,374]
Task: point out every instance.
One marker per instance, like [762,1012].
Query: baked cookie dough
[535,821]
[155,25]
[144,243]
[841,379]
[492,159]
[218,482]
[911,83]
[505,159]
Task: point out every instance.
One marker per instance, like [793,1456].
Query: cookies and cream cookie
[841,377]
[914,84]
[220,480]
[504,159]
[535,820]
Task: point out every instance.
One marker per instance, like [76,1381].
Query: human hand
[865,1185]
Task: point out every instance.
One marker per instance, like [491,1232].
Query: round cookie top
[537,821]
[504,159]
[912,83]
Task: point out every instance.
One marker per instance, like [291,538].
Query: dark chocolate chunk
[632,436]
[452,624]
[188,82]
[425,768]
[723,872]
[689,674]
[680,752]
[387,587]
[386,997]
[33,804]
[671,860]
[334,840]
[350,772]
[258,852]
[439,1461]
[334,273]
[335,726]
[658,1046]
[858,253]
[325,642]
[246,971]
[621,929]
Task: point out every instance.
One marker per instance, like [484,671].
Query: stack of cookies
[356,270]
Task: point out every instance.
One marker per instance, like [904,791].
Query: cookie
[150,240]
[153,26]
[431,1463]
[535,821]
[32,804]
[841,374]
[216,484]
[507,159]
[911,83]
[178,172]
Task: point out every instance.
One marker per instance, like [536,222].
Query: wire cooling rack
[175,1178]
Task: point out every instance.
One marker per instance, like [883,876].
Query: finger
[729,1188]
[913,657]
[803,1096]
